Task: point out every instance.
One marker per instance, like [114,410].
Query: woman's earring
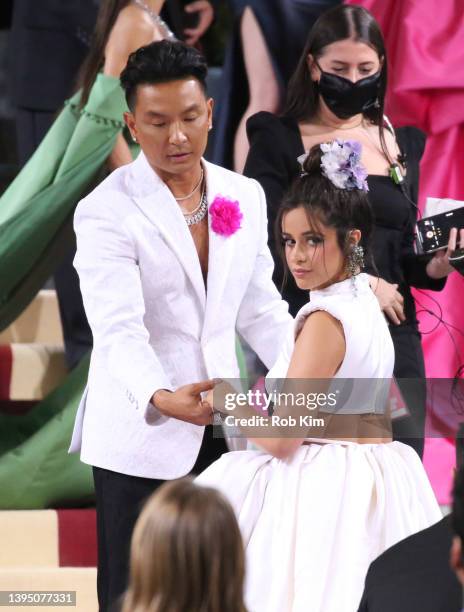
[355,264]
[355,259]
[210,127]
[134,138]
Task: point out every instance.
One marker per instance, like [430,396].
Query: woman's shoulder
[340,300]
[411,141]
[271,136]
[132,29]
[132,16]
[271,124]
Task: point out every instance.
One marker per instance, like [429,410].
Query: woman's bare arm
[133,29]
[318,353]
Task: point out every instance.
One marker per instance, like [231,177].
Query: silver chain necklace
[182,198]
[166,32]
[199,213]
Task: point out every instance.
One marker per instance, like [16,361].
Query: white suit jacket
[154,325]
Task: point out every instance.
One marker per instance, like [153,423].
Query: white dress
[312,523]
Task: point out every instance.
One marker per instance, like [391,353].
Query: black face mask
[345,98]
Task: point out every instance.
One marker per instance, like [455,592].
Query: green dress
[36,210]
[36,214]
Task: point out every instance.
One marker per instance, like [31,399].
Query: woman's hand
[209,399]
[439,266]
[205,19]
[390,299]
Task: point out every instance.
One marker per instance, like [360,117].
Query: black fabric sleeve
[270,162]
[412,142]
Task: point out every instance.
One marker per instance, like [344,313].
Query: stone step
[48,538]
[82,580]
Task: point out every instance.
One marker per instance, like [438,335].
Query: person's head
[106,18]
[319,225]
[186,553]
[346,42]
[457,515]
[170,113]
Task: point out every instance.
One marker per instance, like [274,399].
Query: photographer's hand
[439,266]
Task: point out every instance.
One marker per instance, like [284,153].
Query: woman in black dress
[338,91]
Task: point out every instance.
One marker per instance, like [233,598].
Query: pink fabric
[426,89]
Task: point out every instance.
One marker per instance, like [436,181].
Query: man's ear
[210,107]
[456,563]
[130,122]
[313,68]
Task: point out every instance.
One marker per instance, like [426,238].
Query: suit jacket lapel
[157,203]
[221,249]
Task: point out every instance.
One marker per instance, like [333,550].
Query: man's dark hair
[457,514]
[161,62]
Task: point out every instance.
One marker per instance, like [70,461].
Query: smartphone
[433,232]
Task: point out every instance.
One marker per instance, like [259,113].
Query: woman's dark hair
[341,209]
[160,62]
[338,23]
[106,18]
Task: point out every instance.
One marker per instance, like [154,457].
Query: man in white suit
[172,258]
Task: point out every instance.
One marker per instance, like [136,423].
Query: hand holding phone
[433,233]
[440,265]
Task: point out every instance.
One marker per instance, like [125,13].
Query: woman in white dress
[317,504]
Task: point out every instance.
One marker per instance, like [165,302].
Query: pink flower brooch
[225,216]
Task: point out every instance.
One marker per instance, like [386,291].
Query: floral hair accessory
[341,164]
[225,216]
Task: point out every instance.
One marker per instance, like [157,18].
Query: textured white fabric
[312,523]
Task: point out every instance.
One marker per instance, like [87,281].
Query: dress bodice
[369,348]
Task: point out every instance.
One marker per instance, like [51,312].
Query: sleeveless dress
[312,523]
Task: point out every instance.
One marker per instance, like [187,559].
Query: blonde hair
[186,553]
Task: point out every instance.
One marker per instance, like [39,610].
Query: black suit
[414,575]
[49,41]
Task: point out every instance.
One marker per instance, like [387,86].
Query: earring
[134,138]
[210,127]
[355,259]
[355,264]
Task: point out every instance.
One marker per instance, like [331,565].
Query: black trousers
[119,501]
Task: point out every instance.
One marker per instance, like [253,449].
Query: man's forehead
[185,91]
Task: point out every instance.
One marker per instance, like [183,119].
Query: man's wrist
[159,397]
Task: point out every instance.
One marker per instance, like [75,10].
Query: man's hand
[390,299]
[186,403]
[439,266]
[205,19]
